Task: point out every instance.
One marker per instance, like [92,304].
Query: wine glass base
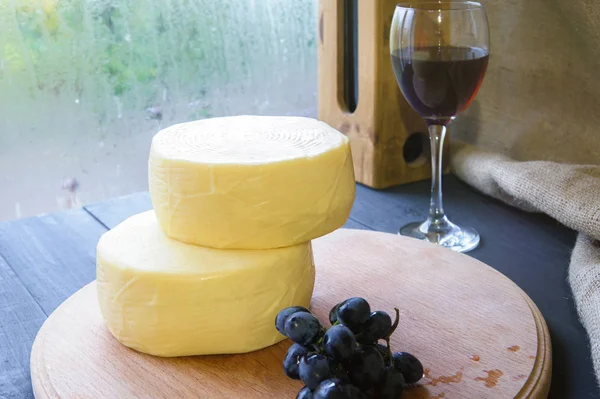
[451,236]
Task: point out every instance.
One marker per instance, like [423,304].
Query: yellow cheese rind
[251,182]
[167,298]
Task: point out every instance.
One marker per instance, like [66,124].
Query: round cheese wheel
[167,298]
[252,182]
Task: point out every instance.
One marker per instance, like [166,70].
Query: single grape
[353,313]
[377,327]
[283,316]
[292,360]
[313,370]
[339,343]
[330,389]
[333,313]
[391,384]
[305,393]
[366,367]
[410,367]
[302,328]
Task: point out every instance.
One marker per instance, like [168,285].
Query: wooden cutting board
[477,334]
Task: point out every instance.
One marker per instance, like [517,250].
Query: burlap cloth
[568,193]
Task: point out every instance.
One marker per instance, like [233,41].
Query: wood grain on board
[476,332]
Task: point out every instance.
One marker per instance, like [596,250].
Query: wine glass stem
[437,133]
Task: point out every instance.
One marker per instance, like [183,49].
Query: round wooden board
[476,332]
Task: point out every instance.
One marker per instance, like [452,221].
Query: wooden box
[390,144]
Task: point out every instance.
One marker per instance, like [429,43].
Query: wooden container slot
[388,138]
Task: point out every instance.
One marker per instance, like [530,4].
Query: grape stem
[387,339]
[390,357]
[395,325]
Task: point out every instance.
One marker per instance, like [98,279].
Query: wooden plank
[20,319]
[531,249]
[353,224]
[113,211]
[53,255]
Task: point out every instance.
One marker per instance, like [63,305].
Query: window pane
[84,84]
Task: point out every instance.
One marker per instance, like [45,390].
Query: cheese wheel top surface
[247,139]
[251,182]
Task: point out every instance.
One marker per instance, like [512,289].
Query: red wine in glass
[439,51]
[439,82]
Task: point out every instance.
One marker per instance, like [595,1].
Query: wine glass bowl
[439,52]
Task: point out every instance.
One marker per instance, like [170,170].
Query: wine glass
[439,52]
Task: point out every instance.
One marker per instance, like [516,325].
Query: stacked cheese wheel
[236,202]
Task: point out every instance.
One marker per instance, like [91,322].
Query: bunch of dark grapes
[347,360]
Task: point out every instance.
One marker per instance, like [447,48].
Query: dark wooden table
[45,259]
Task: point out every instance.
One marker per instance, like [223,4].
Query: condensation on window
[85,84]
